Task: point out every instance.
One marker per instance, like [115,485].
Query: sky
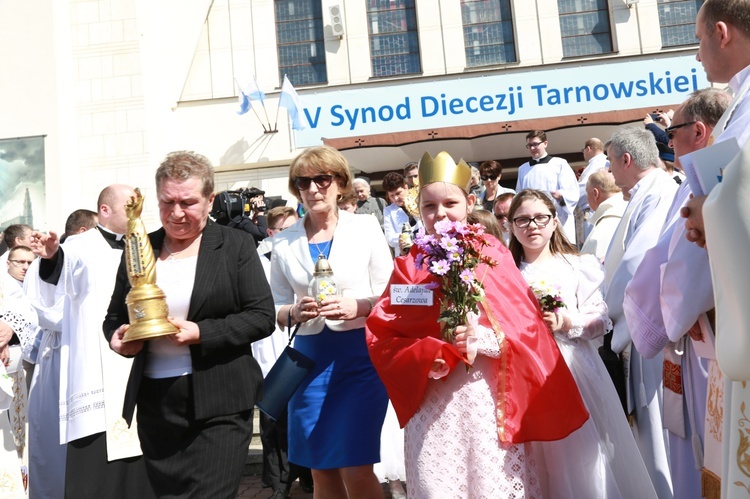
[22,167]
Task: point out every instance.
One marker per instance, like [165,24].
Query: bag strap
[291,333]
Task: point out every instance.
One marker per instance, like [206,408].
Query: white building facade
[114,85]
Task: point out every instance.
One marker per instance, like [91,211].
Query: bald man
[103,457]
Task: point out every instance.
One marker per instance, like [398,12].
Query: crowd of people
[586,364]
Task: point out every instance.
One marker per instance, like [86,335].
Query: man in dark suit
[196,389]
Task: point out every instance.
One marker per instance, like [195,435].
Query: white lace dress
[452,448]
[601,459]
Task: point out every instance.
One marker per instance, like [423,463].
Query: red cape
[538,399]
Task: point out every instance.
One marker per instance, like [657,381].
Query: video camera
[232,205]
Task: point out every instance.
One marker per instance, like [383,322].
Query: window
[299,37]
[394,44]
[584,26]
[488,32]
[677,22]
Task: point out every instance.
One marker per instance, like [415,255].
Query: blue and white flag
[290,100]
[247,93]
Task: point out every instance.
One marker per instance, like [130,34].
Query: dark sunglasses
[322,181]
[670,130]
[488,177]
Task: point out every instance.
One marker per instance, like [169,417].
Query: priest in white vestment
[633,161]
[103,454]
[605,198]
[724,50]
[669,295]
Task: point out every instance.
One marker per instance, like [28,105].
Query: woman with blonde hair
[336,415]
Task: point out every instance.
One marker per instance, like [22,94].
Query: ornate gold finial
[443,169]
[410,200]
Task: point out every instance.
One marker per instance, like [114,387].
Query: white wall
[116,84]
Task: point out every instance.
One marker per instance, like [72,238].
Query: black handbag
[284,378]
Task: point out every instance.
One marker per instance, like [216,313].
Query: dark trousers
[275,463]
[88,474]
[278,472]
[186,457]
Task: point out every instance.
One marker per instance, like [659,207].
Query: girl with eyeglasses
[336,415]
[601,458]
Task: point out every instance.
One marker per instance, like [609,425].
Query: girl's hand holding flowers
[465,342]
[557,321]
[552,306]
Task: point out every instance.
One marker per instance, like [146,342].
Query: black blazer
[232,304]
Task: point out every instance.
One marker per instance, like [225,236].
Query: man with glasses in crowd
[14,235]
[669,296]
[552,175]
[19,260]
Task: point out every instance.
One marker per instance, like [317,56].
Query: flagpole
[275,123]
[258,116]
[251,107]
[263,103]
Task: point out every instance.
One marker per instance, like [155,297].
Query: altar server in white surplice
[633,160]
[552,175]
[103,456]
[46,453]
[723,30]
[669,293]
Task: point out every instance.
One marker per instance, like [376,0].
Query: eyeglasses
[670,130]
[488,177]
[20,263]
[322,181]
[531,145]
[540,221]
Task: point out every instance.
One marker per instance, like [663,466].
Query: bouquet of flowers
[548,296]
[452,254]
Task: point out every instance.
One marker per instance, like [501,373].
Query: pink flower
[467,276]
[449,243]
[440,267]
[444,227]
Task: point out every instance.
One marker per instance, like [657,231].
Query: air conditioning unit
[337,20]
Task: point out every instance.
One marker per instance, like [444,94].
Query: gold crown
[443,169]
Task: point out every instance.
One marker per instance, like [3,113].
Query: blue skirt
[336,415]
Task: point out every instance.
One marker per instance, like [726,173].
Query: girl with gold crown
[466,430]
